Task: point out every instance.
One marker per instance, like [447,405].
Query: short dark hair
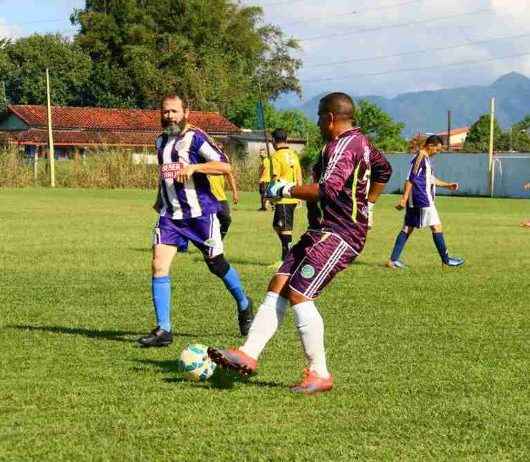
[279,135]
[183,98]
[433,140]
[339,104]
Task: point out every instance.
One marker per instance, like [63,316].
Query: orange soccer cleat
[234,360]
[312,383]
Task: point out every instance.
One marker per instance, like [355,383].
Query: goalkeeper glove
[371,206]
[278,189]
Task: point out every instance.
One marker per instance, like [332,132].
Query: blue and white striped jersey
[423,186]
[193,198]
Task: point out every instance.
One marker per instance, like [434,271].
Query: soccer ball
[195,364]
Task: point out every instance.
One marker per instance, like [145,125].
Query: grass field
[429,364]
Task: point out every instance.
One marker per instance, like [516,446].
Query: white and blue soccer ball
[195,364]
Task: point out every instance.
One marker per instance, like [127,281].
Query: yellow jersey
[264,171]
[217,185]
[286,167]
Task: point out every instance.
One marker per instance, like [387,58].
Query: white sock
[266,322]
[311,328]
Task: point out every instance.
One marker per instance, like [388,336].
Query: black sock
[286,240]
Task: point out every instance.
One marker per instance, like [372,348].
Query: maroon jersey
[343,173]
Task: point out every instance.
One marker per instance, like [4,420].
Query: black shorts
[283,217]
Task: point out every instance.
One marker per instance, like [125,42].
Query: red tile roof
[85,138]
[125,120]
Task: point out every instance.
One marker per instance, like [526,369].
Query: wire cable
[415,69]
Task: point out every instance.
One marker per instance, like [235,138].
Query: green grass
[429,364]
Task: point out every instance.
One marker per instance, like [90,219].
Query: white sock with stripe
[266,322]
[311,329]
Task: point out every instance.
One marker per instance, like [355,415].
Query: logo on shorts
[209,243]
[307,271]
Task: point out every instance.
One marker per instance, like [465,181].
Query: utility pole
[3,96]
[51,150]
[36,164]
[449,131]
[491,164]
[263,124]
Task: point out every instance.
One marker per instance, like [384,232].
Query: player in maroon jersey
[338,223]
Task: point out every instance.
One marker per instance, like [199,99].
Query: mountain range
[426,111]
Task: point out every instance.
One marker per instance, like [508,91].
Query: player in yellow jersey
[217,186]
[264,177]
[285,167]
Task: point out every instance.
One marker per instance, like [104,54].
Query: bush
[110,169]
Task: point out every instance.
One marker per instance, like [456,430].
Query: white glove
[371,206]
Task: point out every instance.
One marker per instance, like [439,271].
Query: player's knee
[217,265]
[159,267]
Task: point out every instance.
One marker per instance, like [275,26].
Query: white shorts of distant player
[422,217]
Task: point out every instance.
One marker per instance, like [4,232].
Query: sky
[382,47]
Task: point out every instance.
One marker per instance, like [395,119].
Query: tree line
[515,138]
[129,52]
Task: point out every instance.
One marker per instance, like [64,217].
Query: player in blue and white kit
[187,208]
[418,198]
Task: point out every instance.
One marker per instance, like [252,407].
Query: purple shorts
[314,261]
[204,232]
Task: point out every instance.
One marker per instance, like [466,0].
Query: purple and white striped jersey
[193,198]
[423,185]
[343,174]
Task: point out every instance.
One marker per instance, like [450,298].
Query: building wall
[458,139]
[471,172]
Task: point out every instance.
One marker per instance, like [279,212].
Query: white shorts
[422,217]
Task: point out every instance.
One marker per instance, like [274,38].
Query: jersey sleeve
[414,175]
[380,168]
[208,151]
[410,171]
[338,171]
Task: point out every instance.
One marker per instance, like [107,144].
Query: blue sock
[401,240]
[439,242]
[233,284]
[161,290]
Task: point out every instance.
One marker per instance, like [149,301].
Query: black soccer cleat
[156,338]
[245,319]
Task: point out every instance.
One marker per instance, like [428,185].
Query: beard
[172,128]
